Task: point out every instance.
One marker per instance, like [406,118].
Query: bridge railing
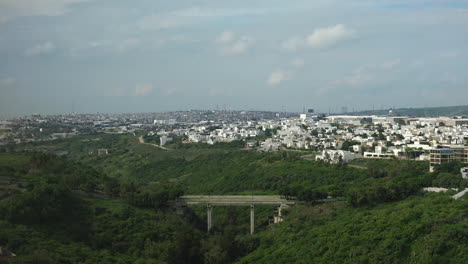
[235,200]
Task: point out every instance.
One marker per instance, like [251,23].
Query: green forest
[119,207]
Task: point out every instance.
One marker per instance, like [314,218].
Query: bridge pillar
[252,219]
[210,217]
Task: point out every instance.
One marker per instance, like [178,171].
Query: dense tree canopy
[119,208]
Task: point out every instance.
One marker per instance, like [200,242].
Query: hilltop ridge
[461,110]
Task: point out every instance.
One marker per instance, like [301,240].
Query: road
[460,194]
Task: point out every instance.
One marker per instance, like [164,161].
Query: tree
[348,145]
[53,205]
[155,195]
[376,170]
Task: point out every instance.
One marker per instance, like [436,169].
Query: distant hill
[423,112]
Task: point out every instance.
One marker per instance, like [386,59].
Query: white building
[357,148]
[464,172]
[269,145]
[377,155]
[335,156]
[164,140]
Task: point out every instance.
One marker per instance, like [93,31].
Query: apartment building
[445,154]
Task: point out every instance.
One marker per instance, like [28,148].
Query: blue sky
[151,55]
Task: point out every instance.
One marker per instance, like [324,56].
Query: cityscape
[339,138]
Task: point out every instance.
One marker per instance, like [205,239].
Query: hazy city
[233,132]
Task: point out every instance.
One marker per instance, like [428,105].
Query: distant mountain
[422,112]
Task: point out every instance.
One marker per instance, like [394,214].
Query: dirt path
[142,141]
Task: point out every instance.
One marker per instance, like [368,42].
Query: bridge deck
[234,200]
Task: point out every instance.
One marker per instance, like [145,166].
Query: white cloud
[15,8]
[218,12]
[368,73]
[358,77]
[143,89]
[162,21]
[219,92]
[416,64]
[128,44]
[7,81]
[169,91]
[39,49]
[191,16]
[239,46]
[226,37]
[115,92]
[320,38]
[449,78]
[293,44]
[230,44]
[278,77]
[95,44]
[450,55]
[324,37]
[388,65]
[298,62]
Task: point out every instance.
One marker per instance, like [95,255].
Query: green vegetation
[118,208]
[13,164]
[427,229]
[152,139]
[177,144]
[348,145]
[48,223]
[270,132]
[13,160]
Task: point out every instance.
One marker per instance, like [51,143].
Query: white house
[464,172]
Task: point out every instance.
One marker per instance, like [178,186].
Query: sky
[117,56]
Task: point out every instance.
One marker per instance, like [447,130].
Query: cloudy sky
[156,55]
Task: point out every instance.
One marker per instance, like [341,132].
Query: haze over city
[120,56]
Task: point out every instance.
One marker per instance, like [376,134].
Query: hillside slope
[428,229]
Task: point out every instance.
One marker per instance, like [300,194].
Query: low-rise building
[445,154]
[464,172]
[163,140]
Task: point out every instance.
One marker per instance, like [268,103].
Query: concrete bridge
[234,200]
